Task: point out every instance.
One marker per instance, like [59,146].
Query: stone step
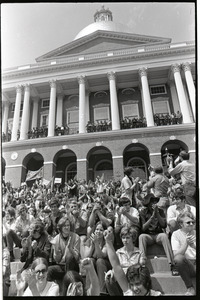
[158,264]
[168,284]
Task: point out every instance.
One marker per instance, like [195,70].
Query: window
[130,110]
[73,117]
[161,107]
[44,120]
[158,89]
[10,124]
[101,113]
[13,107]
[45,103]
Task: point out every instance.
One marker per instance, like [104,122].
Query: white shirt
[124,220]
[51,289]
[172,212]
[178,239]
[186,171]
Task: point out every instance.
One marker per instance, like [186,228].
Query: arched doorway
[66,165]
[99,163]
[173,147]
[137,156]
[32,162]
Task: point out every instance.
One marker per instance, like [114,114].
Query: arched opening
[137,156]
[32,162]
[173,147]
[99,163]
[66,165]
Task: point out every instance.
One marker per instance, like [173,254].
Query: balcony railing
[126,123]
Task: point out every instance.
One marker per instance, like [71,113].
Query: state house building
[108,99]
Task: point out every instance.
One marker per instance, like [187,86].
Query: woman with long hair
[36,280]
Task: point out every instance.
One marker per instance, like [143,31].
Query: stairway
[162,279]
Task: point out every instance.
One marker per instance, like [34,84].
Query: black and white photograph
[99,158]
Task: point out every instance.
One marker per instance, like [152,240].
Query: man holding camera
[186,171]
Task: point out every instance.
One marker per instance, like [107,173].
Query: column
[181,94]
[52,109]
[146,97]
[59,111]
[190,85]
[118,167]
[25,113]
[87,107]
[35,112]
[82,168]
[143,108]
[16,113]
[174,96]
[82,125]
[113,101]
[5,116]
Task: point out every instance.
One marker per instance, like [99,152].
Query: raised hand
[20,282]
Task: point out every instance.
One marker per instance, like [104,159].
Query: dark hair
[54,201]
[11,211]
[185,155]
[128,171]
[70,277]
[140,274]
[124,200]
[38,225]
[100,223]
[158,170]
[39,260]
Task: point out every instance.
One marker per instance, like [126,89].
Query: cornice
[105,34]
[97,61]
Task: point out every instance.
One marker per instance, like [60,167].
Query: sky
[29,30]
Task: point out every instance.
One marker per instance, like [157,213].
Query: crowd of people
[91,238]
[103,125]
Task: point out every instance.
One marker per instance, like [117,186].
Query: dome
[103,25]
[103,21]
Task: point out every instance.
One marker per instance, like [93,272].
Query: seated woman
[74,285]
[95,248]
[65,251]
[37,244]
[37,281]
[137,281]
[128,255]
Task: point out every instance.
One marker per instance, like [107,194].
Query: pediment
[101,41]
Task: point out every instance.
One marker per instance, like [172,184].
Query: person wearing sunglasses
[36,279]
[37,244]
[183,243]
[179,205]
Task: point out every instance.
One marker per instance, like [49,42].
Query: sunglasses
[41,271]
[190,222]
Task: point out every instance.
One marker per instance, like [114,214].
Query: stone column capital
[81,79]
[26,87]
[111,75]
[18,88]
[186,66]
[175,68]
[52,83]
[143,71]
